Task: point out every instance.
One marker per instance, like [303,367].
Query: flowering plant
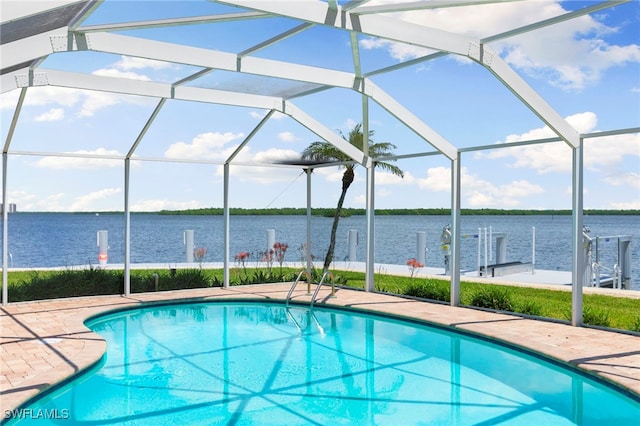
[242,257]
[414,266]
[268,257]
[199,254]
[280,250]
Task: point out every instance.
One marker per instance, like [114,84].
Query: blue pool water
[259,364]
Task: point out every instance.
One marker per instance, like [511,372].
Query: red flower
[414,265]
[242,256]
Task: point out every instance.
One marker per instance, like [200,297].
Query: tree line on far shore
[330,212]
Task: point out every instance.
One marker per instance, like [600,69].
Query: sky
[587,70]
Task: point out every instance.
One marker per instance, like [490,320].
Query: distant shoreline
[346,212]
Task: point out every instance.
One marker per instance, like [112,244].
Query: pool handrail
[291,317]
[333,288]
[295,283]
[312,317]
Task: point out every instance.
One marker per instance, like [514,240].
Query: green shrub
[391,289]
[261,276]
[216,281]
[597,317]
[529,307]
[429,290]
[94,281]
[492,298]
[635,326]
[67,283]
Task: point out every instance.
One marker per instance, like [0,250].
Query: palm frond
[324,151]
[383,165]
[320,150]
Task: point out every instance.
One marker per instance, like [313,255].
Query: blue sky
[588,70]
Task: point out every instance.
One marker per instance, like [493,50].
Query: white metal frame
[21,59]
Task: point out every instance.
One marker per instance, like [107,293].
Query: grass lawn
[615,312]
[622,312]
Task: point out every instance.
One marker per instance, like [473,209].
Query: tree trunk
[347,180]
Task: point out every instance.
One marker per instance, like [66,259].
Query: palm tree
[324,151]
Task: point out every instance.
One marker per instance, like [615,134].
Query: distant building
[12,207]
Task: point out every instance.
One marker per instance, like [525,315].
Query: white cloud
[117,73]
[574,62]
[97,101]
[331,174]
[626,179]
[245,168]
[259,115]
[205,146]
[387,178]
[569,191]
[54,114]
[275,155]
[607,151]
[265,175]
[66,163]
[32,202]
[287,137]
[349,124]
[383,192]
[398,51]
[164,204]
[89,202]
[485,194]
[579,56]
[131,63]
[42,95]
[438,179]
[90,101]
[360,200]
[478,192]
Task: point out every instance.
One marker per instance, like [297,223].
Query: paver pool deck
[45,342]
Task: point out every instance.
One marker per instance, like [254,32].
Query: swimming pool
[259,363]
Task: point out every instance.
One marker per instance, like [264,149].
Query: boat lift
[485,236]
[595,273]
[598,275]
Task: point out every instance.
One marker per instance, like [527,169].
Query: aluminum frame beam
[326,134]
[172,22]
[226,248]
[375,25]
[5,210]
[29,49]
[27,8]
[456,189]
[177,53]
[277,39]
[555,20]
[405,116]
[529,97]
[577,198]
[433,4]
[127,228]
[145,88]
[5,233]
[249,137]
[8,80]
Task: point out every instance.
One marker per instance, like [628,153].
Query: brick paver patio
[45,342]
